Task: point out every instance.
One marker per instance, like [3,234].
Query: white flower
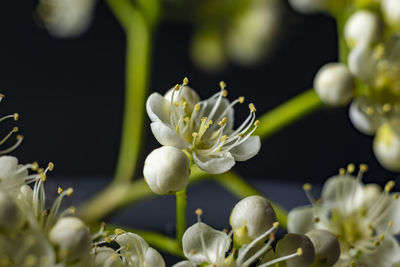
[391,12]
[250,218]
[205,246]
[12,174]
[387,146]
[72,237]
[363,27]
[166,170]
[334,84]
[203,128]
[364,223]
[66,18]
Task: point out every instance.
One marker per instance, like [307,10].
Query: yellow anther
[209,123]
[70,191]
[195,134]
[40,170]
[183,104]
[252,107]
[20,137]
[316,220]
[307,187]
[177,87]
[42,176]
[107,239]
[386,107]
[370,111]
[197,107]
[377,243]
[257,123]
[342,171]
[351,168]
[224,138]
[389,186]
[381,237]
[199,212]
[275,224]
[186,119]
[222,122]
[119,231]
[35,166]
[15,129]
[59,190]
[363,167]
[50,166]
[16,116]
[222,84]
[240,135]
[396,196]
[224,93]
[299,251]
[176,104]
[241,99]
[72,210]
[185,81]
[203,119]
[390,224]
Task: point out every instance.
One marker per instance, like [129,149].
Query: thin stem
[238,187]
[181,202]
[288,112]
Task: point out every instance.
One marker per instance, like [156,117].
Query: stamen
[307,189]
[252,107]
[14,116]
[197,107]
[389,186]
[19,140]
[241,99]
[342,171]
[222,84]
[222,122]
[351,168]
[298,252]
[177,87]
[14,130]
[185,81]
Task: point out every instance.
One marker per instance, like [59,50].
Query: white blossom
[364,223]
[363,27]
[391,12]
[204,129]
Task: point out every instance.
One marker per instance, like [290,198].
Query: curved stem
[181,202]
[288,112]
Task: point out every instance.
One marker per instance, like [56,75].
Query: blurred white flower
[391,12]
[364,223]
[250,218]
[66,18]
[204,129]
[166,170]
[334,84]
[205,246]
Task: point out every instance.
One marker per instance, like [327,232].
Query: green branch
[180,215]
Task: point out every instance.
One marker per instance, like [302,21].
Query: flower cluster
[364,218]
[195,130]
[254,224]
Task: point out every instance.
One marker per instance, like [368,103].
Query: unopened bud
[290,244]
[327,248]
[363,27]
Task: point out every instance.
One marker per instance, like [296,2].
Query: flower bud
[387,147]
[72,237]
[10,214]
[362,27]
[166,170]
[310,6]
[251,217]
[334,84]
[105,256]
[327,248]
[292,243]
[154,258]
[391,12]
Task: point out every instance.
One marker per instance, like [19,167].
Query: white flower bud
[391,12]
[364,116]
[334,84]
[72,237]
[154,258]
[327,248]
[310,6]
[296,243]
[362,27]
[166,170]
[387,147]
[250,218]
[105,256]
[10,214]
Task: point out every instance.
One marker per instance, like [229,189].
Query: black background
[70,93]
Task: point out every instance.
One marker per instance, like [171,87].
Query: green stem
[288,112]
[181,202]
[138,47]
[238,187]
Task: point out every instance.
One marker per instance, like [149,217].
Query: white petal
[137,245]
[387,147]
[215,164]
[386,254]
[365,123]
[216,244]
[247,149]
[184,264]
[158,108]
[343,193]
[361,62]
[167,136]
[301,220]
[391,210]
[187,94]
[206,107]
[154,258]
